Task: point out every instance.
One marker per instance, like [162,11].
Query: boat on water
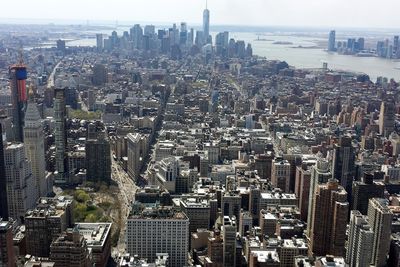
[366,54]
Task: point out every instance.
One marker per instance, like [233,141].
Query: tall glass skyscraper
[3,183]
[18,75]
[332,41]
[206,25]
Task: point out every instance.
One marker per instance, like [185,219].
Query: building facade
[330,211]
[34,147]
[21,190]
[158,230]
[358,252]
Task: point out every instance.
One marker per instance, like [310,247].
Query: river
[311,57]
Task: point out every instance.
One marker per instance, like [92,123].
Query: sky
[317,13]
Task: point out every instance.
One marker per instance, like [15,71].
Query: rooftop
[95,234]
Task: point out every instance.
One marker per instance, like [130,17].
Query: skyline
[335,14]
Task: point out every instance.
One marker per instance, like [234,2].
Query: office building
[221,44]
[231,204]
[254,204]
[332,41]
[343,166]
[167,173]
[98,160]
[18,76]
[98,240]
[99,74]
[60,114]
[3,181]
[198,212]
[228,230]
[364,190]
[7,255]
[330,261]
[387,117]
[215,248]
[302,188]
[263,165]
[268,222]
[330,211]
[206,26]
[133,152]
[61,45]
[34,147]
[136,34]
[245,223]
[99,42]
[21,190]
[380,218]
[280,175]
[394,254]
[156,229]
[358,252]
[45,222]
[70,249]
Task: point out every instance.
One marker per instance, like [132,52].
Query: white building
[164,149]
[133,155]
[153,230]
[166,172]
[34,147]
[393,172]
[359,249]
[21,192]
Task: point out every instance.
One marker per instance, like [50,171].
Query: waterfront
[302,52]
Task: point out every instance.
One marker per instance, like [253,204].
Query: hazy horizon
[254,13]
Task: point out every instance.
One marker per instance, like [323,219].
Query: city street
[127,190]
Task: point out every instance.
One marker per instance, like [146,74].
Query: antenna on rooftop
[20,56]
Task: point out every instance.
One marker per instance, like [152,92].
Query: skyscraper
[364,190]
[330,211]
[387,117]
[358,253]
[99,42]
[98,160]
[156,229]
[21,191]
[136,34]
[133,165]
[206,25]
[46,222]
[34,147]
[18,75]
[7,255]
[221,43]
[332,41]
[229,247]
[380,218]
[396,48]
[319,174]
[3,181]
[61,175]
[343,167]
[99,74]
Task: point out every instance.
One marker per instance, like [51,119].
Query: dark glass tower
[3,183]
[18,75]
